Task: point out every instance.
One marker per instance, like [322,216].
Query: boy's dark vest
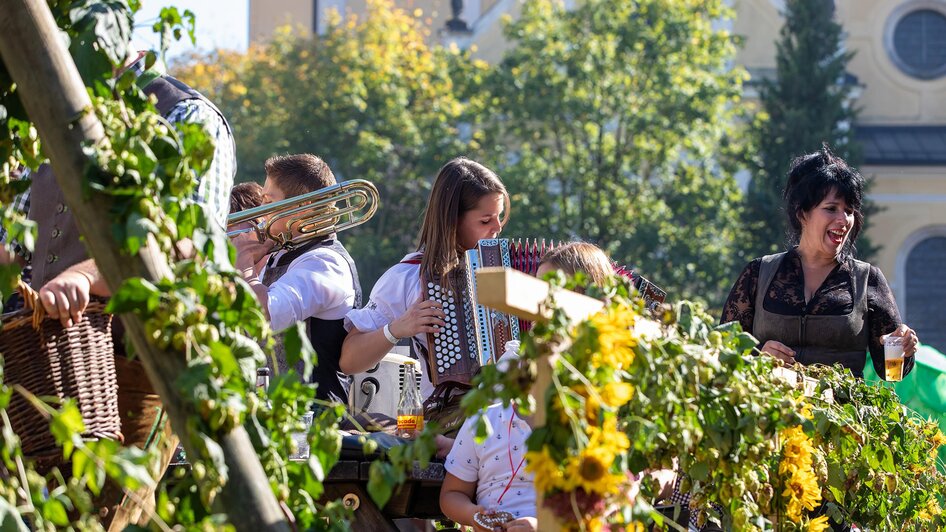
[57,244]
[326,336]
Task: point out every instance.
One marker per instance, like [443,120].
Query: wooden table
[418,497]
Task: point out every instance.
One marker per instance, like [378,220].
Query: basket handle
[31,300]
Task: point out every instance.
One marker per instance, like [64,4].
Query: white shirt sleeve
[463,461]
[396,290]
[317,284]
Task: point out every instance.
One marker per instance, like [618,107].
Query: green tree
[613,124]
[809,102]
[370,96]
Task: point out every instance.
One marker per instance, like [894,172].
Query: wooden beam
[55,97]
[524,296]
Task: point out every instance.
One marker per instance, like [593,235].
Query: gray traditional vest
[816,339]
[326,336]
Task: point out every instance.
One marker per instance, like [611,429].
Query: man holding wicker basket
[65,280]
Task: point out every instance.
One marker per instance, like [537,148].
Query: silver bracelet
[389,335]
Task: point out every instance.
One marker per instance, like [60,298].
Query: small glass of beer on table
[893,358]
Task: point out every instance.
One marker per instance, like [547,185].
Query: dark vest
[817,339]
[58,245]
[326,336]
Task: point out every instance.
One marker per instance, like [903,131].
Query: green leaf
[10,519]
[66,425]
[381,481]
[298,347]
[137,229]
[224,358]
[55,511]
[135,294]
[699,471]
[483,429]
[886,459]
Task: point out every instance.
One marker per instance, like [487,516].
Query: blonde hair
[459,186]
[582,257]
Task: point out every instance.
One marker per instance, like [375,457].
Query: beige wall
[267,15]
[890,96]
[758,22]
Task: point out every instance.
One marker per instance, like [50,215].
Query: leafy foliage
[146,171]
[613,122]
[691,395]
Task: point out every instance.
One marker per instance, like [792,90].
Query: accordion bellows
[475,335]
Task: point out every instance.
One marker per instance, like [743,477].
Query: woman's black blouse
[835,297]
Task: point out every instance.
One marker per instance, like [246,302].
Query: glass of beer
[893,358]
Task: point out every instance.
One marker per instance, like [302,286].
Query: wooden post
[524,296]
[55,97]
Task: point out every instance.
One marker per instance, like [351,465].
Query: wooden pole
[55,97]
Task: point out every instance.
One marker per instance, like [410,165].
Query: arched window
[926,291]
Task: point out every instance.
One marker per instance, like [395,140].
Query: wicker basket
[49,360]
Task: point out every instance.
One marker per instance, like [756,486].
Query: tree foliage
[809,102]
[613,123]
[370,96]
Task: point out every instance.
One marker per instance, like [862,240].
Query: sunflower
[802,492]
[818,524]
[590,471]
[608,438]
[805,411]
[548,474]
[801,484]
[616,394]
[616,340]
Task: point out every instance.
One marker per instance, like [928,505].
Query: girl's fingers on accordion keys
[421,317]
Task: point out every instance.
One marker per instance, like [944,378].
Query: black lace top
[835,297]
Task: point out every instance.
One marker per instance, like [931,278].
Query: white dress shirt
[318,284]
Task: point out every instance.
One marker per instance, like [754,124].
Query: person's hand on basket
[66,296]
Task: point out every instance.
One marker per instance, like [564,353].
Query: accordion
[475,335]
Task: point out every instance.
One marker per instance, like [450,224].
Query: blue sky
[220,24]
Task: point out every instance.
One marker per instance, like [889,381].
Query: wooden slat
[524,296]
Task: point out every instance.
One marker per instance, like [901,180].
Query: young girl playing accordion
[468,203]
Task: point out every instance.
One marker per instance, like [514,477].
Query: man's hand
[66,296]
[250,250]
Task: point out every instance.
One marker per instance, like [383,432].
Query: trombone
[312,215]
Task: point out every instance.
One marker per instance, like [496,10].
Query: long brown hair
[459,186]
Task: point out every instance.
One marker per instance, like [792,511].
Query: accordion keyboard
[453,355]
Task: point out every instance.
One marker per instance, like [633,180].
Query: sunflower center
[591,468]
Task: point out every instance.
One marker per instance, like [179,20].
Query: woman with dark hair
[815,303]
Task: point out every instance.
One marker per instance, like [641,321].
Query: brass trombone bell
[312,215]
